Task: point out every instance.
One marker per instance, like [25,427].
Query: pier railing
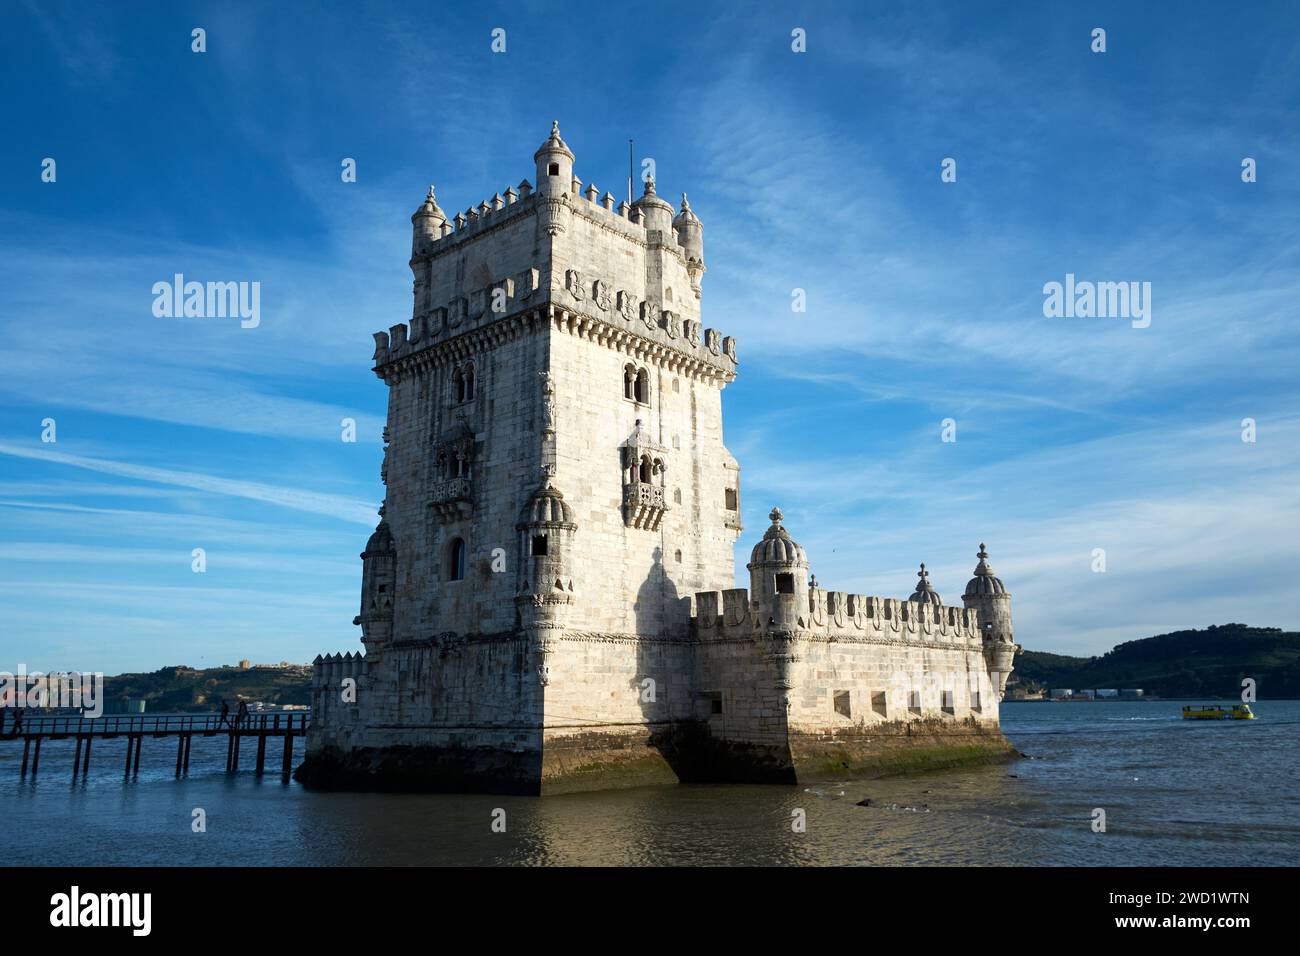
[33,730]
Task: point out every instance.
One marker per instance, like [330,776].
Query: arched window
[456,560]
[629,382]
[646,470]
[642,391]
[458,385]
[668,294]
[469,383]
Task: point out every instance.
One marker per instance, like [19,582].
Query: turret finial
[555,127]
[650,186]
[685,205]
[923,574]
[776,516]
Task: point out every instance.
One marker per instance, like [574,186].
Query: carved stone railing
[451,497]
[643,505]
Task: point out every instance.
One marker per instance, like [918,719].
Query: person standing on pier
[225,714]
[241,716]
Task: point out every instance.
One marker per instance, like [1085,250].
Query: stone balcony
[451,498]
[643,505]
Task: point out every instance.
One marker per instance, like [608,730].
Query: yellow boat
[1218,712]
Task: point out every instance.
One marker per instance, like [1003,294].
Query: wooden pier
[32,731]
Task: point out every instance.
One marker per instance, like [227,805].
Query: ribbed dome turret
[651,199]
[985,581]
[381,542]
[553,144]
[777,547]
[925,592]
[687,214]
[429,209]
[546,508]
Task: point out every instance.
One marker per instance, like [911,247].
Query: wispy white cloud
[299,499]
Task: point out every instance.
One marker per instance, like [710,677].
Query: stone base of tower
[423,769]
[898,747]
[644,757]
[640,757]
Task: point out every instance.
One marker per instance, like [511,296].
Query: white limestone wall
[631,580]
[504,417]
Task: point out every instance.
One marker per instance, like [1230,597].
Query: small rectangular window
[539,544]
[731,500]
[878,703]
[843,707]
[975,700]
[947,702]
[715,702]
[914,701]
[785,584]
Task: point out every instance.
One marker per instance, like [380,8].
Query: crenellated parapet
[330,670]
[836,616]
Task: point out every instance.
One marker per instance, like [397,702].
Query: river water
[1173,791]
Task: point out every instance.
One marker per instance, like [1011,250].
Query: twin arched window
[636,384]
[645,469]
[462,384]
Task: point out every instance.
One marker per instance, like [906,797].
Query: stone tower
[540,601]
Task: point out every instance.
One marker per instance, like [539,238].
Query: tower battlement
[836,615]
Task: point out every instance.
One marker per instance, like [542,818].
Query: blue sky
[817,171]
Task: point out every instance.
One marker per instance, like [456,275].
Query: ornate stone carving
[573,282]
[627,305]
[600,295]
[672,324]
[650,314]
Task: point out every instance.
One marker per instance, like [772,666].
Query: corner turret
[427,225]
[656,214]
[378,583]
[986,593]
[690,236]
[778,578]
[546,528]
[554,162]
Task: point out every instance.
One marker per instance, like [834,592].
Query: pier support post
[187,752]
[85,761]
[27,749]
[287,766]
[76,759]
[234,764]
[139,745]
[36,757]
[230,749]
[180,752]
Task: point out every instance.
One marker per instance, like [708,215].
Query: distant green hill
[1205,663]
[186,689]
